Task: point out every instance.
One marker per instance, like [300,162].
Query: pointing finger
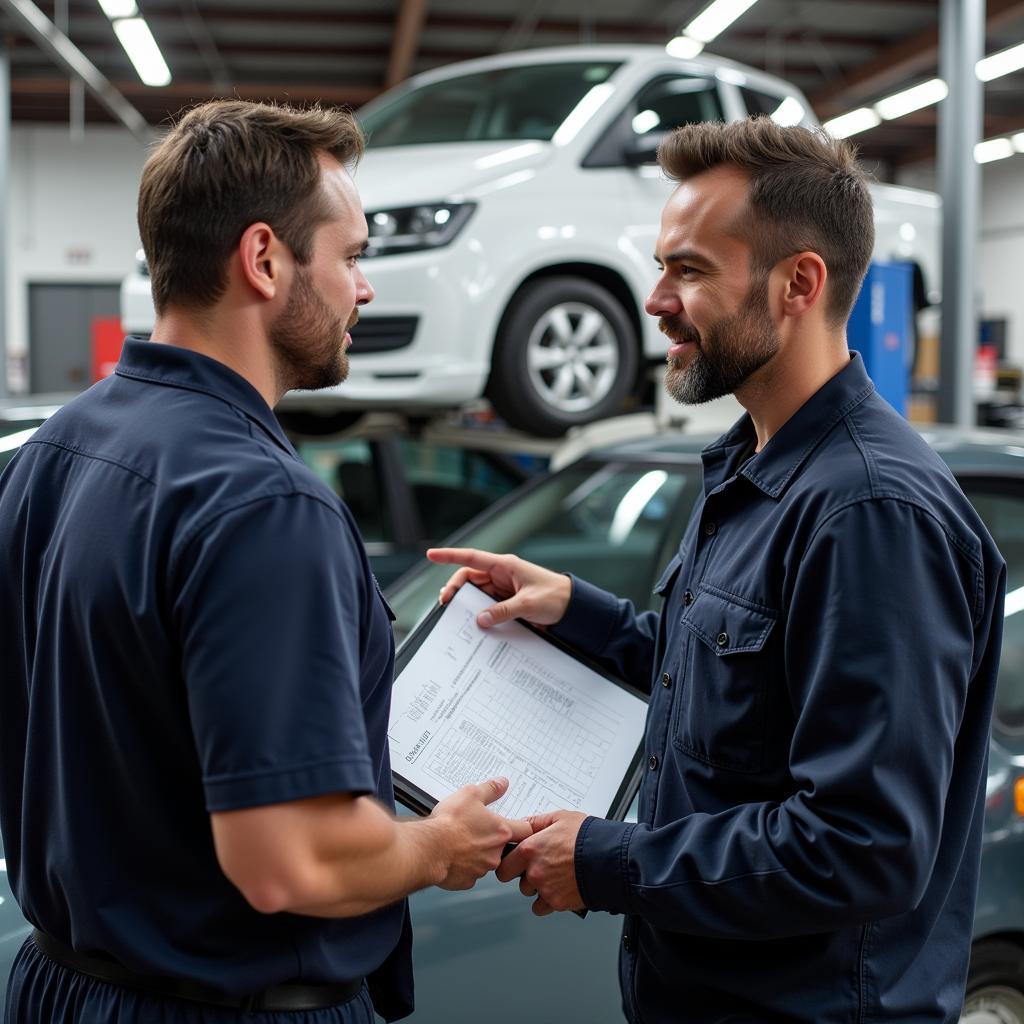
[471,557]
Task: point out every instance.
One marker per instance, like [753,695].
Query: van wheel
[566,353]
[995,984]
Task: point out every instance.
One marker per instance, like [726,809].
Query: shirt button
[710,529]
[653,763]
[666,680]
[627,943]
[722,640]
[688,598]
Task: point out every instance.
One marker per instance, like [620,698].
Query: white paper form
[472,704]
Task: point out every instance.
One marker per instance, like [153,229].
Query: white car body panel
[537,208]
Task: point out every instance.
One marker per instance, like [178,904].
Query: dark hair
[225,165]
[807,194]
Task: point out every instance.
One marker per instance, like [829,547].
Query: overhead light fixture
[993,149]
[1018,142]
[119,8]
[998,64]
[138,42]
[909,100]
[683,47]
[859,120]
[711,22]
[716,18]
[142,50]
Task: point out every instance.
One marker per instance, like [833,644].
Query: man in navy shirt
[822,673]
[195,791]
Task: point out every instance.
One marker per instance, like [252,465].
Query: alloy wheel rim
[572,357]
[994,1004]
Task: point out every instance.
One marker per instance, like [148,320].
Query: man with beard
[195,791]
[822,672]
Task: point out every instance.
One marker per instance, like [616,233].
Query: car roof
[1000,452]
[630,53]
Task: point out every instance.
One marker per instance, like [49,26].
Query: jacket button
[722,640]
[653,763]
[627,943]
[666,680]
[710,529]
[688,599]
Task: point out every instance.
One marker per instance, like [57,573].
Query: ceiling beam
[67,56]
[406,41]
[178,94]
[899,63]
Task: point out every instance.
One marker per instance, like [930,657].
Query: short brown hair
[225,165]
[807,194]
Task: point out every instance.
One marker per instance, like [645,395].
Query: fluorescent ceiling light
[1018,142]
[789,112]
[923,95]
[645,121]
[142,50]
[718,17]
[859,120]
[993,149]
[683,47]
[119,8]
[1002,63]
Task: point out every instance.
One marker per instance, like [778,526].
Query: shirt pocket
[720,713]
[668,577]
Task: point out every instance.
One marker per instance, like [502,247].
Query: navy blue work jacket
[188,624]
[821,679]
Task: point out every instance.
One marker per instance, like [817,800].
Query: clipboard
[626,766]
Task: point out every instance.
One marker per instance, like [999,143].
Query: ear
[804,289]
[262,256]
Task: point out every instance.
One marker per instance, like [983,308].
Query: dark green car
[615,517]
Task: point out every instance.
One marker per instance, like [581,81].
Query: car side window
[1003,514]
[451,485]
[350,470]
[669,102]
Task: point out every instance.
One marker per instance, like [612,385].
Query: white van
[513,205]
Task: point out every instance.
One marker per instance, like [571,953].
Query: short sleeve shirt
[188,624]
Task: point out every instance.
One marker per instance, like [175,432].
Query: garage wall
[1001,244]
[72,217]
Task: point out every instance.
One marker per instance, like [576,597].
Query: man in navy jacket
[822,672]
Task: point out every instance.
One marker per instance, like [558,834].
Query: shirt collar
[177,367]
[781,458]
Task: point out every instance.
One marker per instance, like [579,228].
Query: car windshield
[527,102]
[614,524]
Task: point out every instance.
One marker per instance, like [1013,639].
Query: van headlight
[412,228]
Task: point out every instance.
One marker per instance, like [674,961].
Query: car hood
[405,175]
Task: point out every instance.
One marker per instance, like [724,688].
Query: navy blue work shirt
[821,679]
[188,624]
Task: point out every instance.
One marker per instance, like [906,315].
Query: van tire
[566,354]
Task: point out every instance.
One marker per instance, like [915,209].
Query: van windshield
[528,102]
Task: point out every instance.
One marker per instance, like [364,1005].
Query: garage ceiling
[842,53]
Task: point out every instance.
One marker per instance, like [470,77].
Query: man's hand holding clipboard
[544,862]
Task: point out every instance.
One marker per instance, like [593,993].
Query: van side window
[667,103]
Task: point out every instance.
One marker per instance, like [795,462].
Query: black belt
[292,995]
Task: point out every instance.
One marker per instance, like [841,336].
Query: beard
[308,339]
[728,353]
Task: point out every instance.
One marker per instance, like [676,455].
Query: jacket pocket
[668,577]
[720,712]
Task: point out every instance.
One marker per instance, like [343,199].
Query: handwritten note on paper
[471,704]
